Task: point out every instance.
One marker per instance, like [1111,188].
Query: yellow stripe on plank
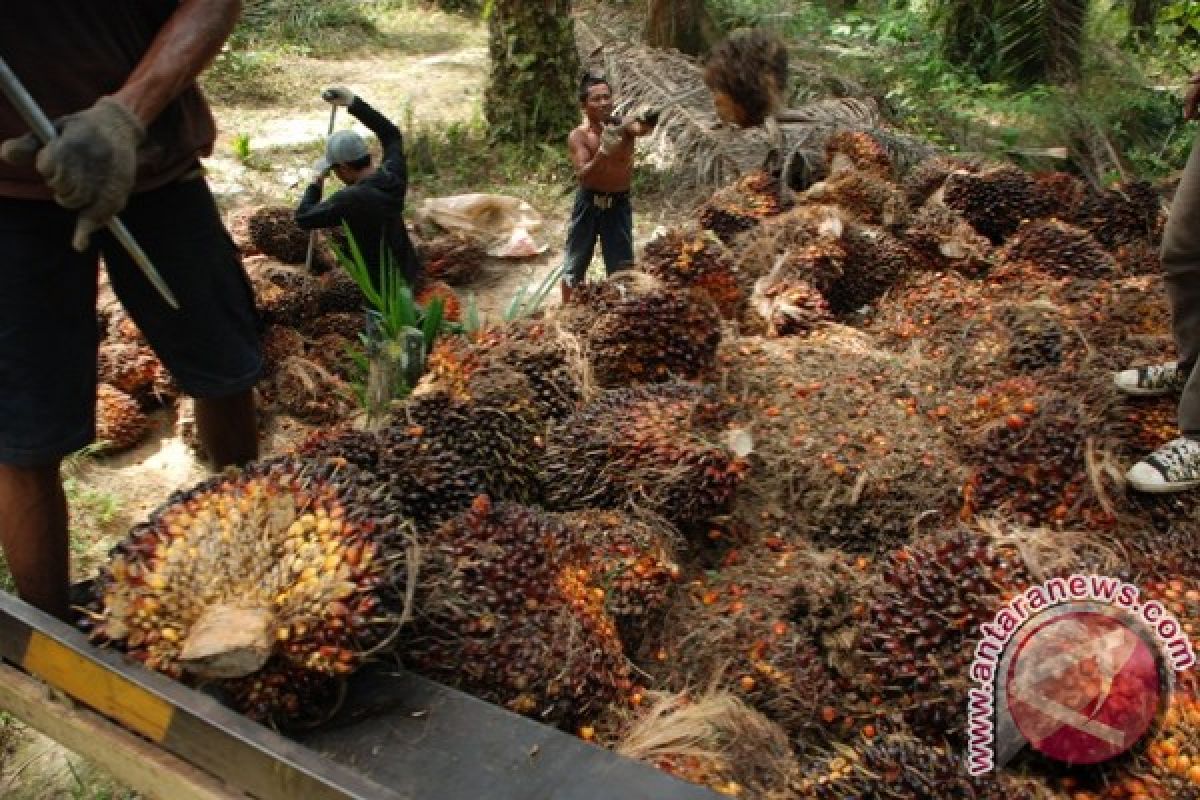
[92,684]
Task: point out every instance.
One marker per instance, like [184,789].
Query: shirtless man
[602,154]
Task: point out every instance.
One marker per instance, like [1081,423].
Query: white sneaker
[1152,381]
[1173,467]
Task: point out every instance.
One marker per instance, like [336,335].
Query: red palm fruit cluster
[279,343]
[742,206]
[866,196]
[537,353]
[791,307]
[1138,258]
[304,550]
[519,619]
[349,324]
[272,230]
[747,76]
[440,450]
[858,150]
[899,766]
[1062,192]
[976,412]
[875,261]
[1126,214]
[1038,339]
[926,178]
[357,447]
[634,559]
[656,447]
[996,200]
[1169,765]
[1034,466]
[136,371]
[930,309]
[1059,249]
[338,292]
[651,335]
[1153,422]
[283,295]
[451,306]
[120,423]
[922,623]
[738,625]
[945,240]
[454,258]
[696,260]
[304,389]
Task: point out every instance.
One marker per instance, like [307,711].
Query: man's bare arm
[185,45]
[582,157]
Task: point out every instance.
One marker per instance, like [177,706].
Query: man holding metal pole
[372,202]
[118,80]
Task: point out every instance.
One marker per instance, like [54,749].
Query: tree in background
[534,70]
[1142,16]
[1027,41]
[685,25]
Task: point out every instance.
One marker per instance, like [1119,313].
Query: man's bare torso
[613,173]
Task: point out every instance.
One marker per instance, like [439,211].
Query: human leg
[581,243]
[211,344]
[48,344]
[616,236]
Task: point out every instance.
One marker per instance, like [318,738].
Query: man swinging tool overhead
[372,202]
[118,79]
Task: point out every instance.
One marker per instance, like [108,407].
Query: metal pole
[42,128]
[312,235]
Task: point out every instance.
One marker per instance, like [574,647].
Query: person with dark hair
[372,202]
[601,150]
[118,78]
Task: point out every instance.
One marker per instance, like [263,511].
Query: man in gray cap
[372,202]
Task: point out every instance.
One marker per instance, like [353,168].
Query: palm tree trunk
[685,25]
[1065,22]
[1143,14]
[534,70]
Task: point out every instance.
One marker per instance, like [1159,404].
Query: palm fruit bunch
[357,447]
[120,423]
[742,206]
[442,449]
[897,765]
[334,353]
[122,328]
[654,446]
[454,258]
[635,554]
[858,150]
[135,370]
[682,259]
[917,637]
[712,740]
[747,75]
[875,261]
[289,567]
[451,306]
[307,391]
[338,292]
[344,323]
[283,295]
[1062,192]
[1138,258]
[279,343]
[864,195]
[996,200]
[1126,214]
[839,439]
[1038,338]
[518,619]
[1171,759]
[738,625]
[802,243]
[643,332]
[1059,249]
[927,177]
[927,309]
[1035,466]
[945,240]
[790,307]
[272,230]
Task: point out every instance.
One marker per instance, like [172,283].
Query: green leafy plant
[528,298]
[241,147]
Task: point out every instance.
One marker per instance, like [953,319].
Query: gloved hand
[649,116]
[90,166]
[610,138]
[320,169]
[338,96]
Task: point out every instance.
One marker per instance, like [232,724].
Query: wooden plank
[149,770]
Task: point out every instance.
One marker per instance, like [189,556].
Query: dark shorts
[48,335]
[608,217]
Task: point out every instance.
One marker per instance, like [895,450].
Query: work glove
[90,166]
[610,138]
[338,96]
[320,169]
[648,117]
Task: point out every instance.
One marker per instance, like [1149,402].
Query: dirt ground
[429,69]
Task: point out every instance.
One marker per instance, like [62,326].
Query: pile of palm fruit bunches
[792,460]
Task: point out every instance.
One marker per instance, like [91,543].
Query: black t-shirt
[69,53]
